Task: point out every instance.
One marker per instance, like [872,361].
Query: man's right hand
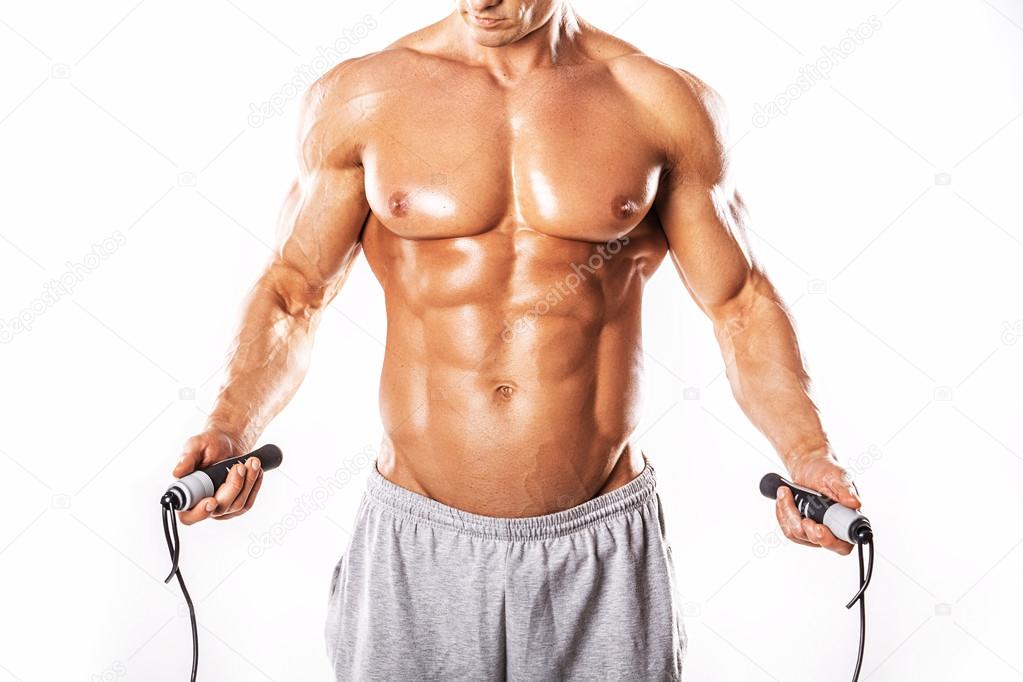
[237,493]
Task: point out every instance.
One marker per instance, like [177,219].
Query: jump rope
[847,524]
[184,494]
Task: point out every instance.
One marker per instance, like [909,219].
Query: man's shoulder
[366,74]
[350,91]
[398,63]
[667,90]
[689,119]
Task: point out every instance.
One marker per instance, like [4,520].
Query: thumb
[187,463]
[842,489]
[192,457]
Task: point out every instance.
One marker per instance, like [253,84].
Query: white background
[886,209]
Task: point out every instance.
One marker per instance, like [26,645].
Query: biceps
[705,231]
[319,235]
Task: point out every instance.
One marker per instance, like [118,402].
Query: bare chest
[456,157]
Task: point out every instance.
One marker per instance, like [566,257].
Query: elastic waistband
[406,503]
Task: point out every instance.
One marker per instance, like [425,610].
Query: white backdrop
[145,147]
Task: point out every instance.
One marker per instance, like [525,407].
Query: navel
[398,204]
[505,391]
[623,208]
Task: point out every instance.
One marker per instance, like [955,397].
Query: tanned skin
[514,177]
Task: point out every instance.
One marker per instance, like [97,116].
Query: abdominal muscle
[504,393]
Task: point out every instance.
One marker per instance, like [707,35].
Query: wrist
[233,433]
[800,455]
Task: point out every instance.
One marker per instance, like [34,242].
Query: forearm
[765,370]
[267,361]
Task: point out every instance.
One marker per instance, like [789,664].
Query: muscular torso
[511,230]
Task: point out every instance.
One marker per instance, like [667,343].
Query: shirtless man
[514,176]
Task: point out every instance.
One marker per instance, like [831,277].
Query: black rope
[859,597]
[170,531]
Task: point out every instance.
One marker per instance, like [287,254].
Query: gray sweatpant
[429,592]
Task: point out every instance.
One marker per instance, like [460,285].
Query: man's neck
[551,43]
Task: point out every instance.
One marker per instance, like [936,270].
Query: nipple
[623,207]
[398,204]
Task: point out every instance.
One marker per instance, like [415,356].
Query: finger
[189,460]
[251,474]
[248,503]
[788,516]
[840,488]
[252,495]
[821,535]
[230,489]
[199,512]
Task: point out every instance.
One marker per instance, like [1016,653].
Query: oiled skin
[511,381]
[512,201]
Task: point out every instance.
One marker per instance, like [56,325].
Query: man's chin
[492,38]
